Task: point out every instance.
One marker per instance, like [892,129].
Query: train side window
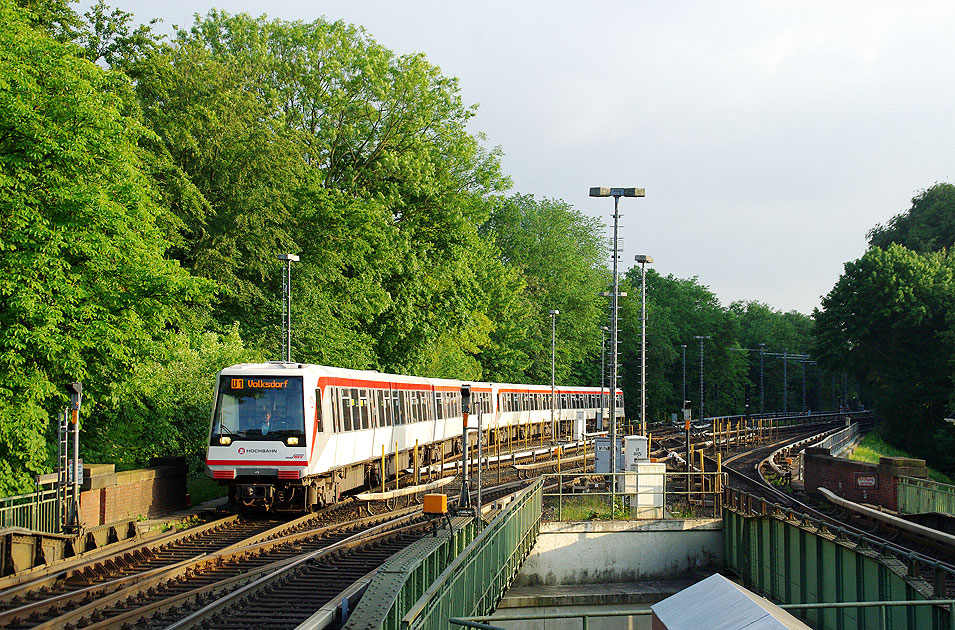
[363,407]
[347,403]
[438,402]
[355,415]
[386,408]
[399,408]
[336,416]
[318,411]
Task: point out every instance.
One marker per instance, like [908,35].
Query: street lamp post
[762,408]
[553,347]
[785,383]
[603,365]
[616,193]
[643,259]
[288,259]
[702,406]
[683,402]
[804,384]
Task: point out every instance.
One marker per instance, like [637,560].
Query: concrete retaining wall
[595,552]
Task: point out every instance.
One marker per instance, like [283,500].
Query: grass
[874,446]
[202,489]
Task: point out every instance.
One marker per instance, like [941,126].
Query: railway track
[182,586]
[918,555]
[234,561]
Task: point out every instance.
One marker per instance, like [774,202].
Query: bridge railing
[832,577]
[649,494]
[476,580]
[917,496]
[37,511]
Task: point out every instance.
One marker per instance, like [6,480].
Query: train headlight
[292,441]
[225,440]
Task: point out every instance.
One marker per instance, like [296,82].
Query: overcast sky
[769,136]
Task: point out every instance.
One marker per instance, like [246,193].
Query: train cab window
[259,408]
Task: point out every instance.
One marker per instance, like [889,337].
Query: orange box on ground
[435,503]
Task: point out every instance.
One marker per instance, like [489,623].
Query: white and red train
[290,436]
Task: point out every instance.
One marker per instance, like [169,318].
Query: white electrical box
[580,425]
[644,490]
[635,451]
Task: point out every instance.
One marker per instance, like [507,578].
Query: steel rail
[192,566]
[830,521]
[273,573]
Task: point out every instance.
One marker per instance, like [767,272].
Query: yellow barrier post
[382,468]
[719,481]
[417,469]
[559,450]
[396,466]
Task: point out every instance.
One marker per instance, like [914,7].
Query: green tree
[560,253]
[789,332]
[928,226]
[311,138]
[888,320]
[165,403]
[84,283]
[677,310]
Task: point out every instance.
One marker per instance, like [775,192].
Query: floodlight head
[628,192]
[604,328]
[643,258]
[288,257]
[601,191]
[554,312]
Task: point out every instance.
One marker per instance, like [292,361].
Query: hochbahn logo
[256,451]
[239,383]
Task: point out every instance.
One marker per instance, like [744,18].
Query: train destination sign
[241,383]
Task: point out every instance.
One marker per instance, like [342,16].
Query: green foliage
[311,138]
[928,226]
[888,320]
[109,36]
[164,405]
[560,253]
[84,284]
[874,446]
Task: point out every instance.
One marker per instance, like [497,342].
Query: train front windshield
[259,408]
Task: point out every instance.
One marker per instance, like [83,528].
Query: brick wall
[108,496]
[859,481]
